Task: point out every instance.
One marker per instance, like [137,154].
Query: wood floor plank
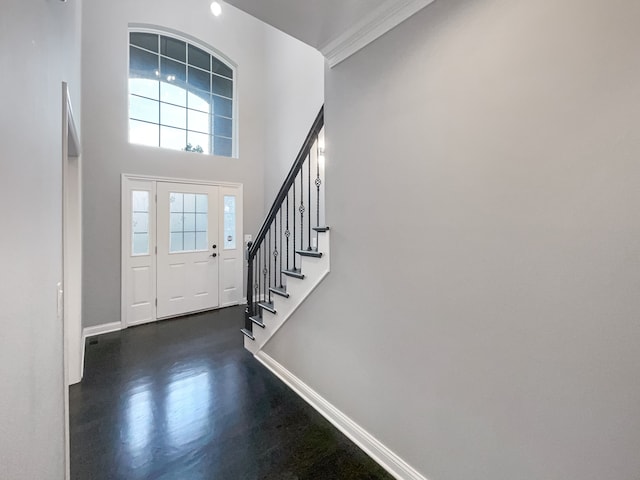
[183,400]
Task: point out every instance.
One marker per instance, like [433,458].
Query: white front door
[188,250]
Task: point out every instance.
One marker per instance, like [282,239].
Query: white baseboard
[92,332]
[100,329]
[84,341]
[391,462]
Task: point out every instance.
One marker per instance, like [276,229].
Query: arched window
[180,95]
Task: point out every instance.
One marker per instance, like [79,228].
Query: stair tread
[309,253]
[248,334]
[321,229]
[257,320]
[267,306]
[295,273]
[280,291]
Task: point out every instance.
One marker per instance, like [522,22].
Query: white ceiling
[315,22]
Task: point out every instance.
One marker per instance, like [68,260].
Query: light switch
[60,300]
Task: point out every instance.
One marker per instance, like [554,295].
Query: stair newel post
[249,311]
[280,236]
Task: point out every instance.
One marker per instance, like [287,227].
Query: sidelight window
[140,222]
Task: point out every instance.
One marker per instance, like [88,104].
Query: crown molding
[377,23]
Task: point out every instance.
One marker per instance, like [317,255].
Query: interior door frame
[125,228]
[70,290]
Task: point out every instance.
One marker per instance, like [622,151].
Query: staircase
[290,255]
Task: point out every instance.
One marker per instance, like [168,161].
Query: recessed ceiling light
[216,9]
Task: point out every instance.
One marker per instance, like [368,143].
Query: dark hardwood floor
[183,400]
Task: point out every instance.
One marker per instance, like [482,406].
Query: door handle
[214,246]
[214,255]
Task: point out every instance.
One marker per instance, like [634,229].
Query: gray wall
[295,86]
[107,153]
[39,49]
[481,315]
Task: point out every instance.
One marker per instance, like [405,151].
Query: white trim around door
[142,217]
[70,289]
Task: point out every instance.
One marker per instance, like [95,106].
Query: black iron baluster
[281,286]
[302,209]
[259,266]
[318,181]
[264,276]
[287,233]
[275,251]
[294,224]
[256,268]
[269,260]
[309,198]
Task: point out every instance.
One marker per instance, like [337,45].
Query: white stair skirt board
[388,460]
[314,270]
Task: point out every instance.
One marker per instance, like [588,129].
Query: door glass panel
[176,242]
[176,222]
[229,222]
[201,240]
[175,202]
[201,222]
[188,222]
[202,202]
[189,241]
[139,222]
[189,203]
[140,244]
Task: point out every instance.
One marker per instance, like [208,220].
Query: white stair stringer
[314,270]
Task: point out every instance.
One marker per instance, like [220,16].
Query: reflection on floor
[182,400]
